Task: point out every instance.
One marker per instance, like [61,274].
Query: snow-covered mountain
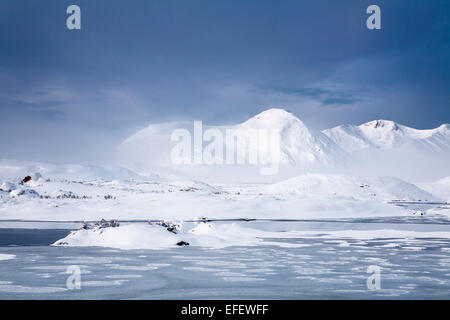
[298,146]
[383,147]
[385,135]
[380,147]
[148,150]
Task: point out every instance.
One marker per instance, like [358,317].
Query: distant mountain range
[301,147]
[385,134]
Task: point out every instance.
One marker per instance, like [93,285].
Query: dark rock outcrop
[25,180]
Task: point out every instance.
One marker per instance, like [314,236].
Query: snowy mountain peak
[273,118]
[275,113]
[299,145]
[382,124]
[383,133]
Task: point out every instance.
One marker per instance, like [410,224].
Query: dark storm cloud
[324,96]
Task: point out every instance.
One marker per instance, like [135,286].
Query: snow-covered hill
[335,185]
[75,196]
[149,149]
[440,188]
[385,135]
[299,145]
[14,169]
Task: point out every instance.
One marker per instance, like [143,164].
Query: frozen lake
[322,268]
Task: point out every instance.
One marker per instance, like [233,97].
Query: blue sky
[135,62]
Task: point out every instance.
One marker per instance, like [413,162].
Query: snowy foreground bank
[146,236]
[225,234]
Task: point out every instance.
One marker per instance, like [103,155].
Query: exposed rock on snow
[69,195]
[25,180]
[101,225]
[170,226]
[24,192]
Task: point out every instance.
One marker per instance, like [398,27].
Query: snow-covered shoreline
[221,235]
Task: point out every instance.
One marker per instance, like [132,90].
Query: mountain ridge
[383,146]
[387,134]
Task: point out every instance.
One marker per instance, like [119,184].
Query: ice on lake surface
[313,267]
